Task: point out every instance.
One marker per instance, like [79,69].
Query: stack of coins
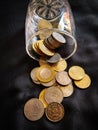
[54,41]
[81,79]
[46,47]
[48,41]
[40,48]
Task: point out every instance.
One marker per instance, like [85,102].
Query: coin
[45,50]
[83,83]
[55,58]
[33,75]
[54,112]
[76,72]
[63,78]
[60,65]
[67,90]
[43,61]
[45,34]
[58,37]
[55,40]
[45,73]
[53,94]
[42,23]
[33,109]
[36,49]
[41,97]
[50,83]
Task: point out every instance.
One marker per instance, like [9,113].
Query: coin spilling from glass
[76,72]
[83,83]
[54,112]
[61,65]
[33,109]
[63,78]
[45,73]
[41,97]
[54,59]
[58,85]
[67,90]
[50,83]
[81,79]
[33,75]
[53,94]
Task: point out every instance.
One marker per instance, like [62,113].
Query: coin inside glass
[55,58]
[41,97]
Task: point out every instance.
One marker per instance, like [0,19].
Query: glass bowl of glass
[66,50]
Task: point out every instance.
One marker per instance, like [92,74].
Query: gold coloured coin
[63,78]
[43,61]
[45,34]
[53,94]
[76,72]
[36,49]
[83,83]
[33,109]
[45,73]
[42,23]
[41,97]
[67,90]
[60,65]
[45,50]
[54,112]
[33,75]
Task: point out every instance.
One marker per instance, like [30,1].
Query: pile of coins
[51,73]
[58,84]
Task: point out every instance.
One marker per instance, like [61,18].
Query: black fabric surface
[16,86]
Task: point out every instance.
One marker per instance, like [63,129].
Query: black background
[16,87]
